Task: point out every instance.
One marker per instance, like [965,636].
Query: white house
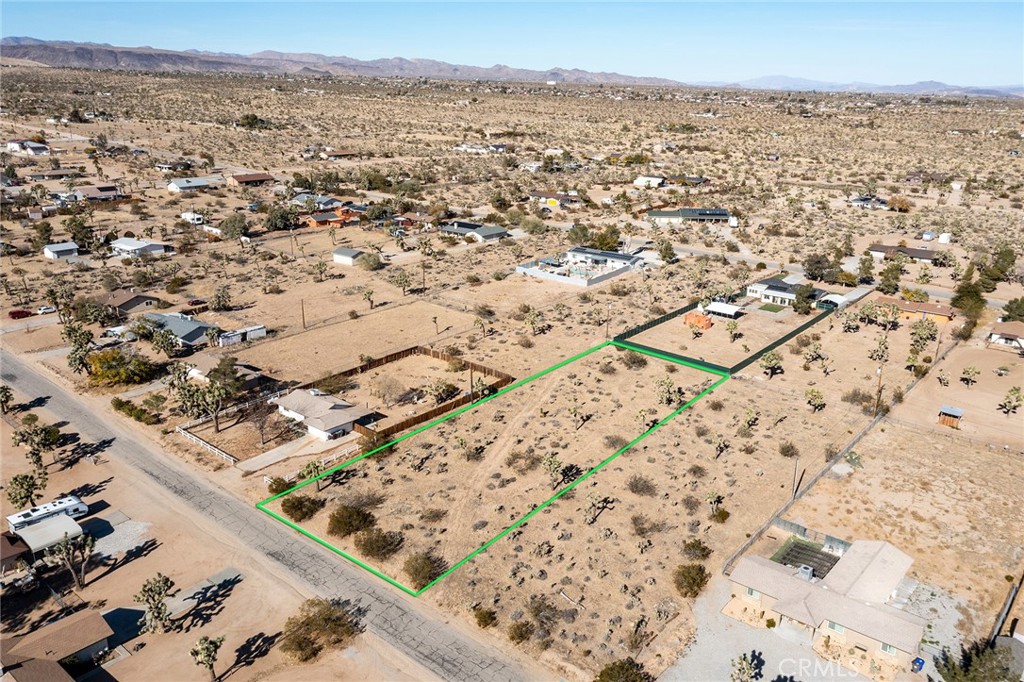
[649,181]
[324,415]
[61,250]
[126,246]
[346,256]
[1009,334]
[179,185]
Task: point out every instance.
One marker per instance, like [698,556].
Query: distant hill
[103,56]
[788,83]
[97,56]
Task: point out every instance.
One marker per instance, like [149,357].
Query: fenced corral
[337,380]
[750,359]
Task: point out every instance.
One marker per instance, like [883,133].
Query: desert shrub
[697,471]
[520,632]
[485,618]
[365,500]
[626,670]
[701,430]
[615,442]
[643,526]
[716,405]
[433,515]
[787,449]
[120,366]
[607,368]
[720,515]
[379,544]
[136,412]
[690,579]
[346,520]
[370,262]
[857,396]
[618,289]
[484,311]
[634,360]
[320,624]
[300,507]
[897,393]
[525,341]
[542,611]
[691,504]
[423,568]
[770,623]
[696,550]
[656,310]
[522,462]
[278,485]
[641,485]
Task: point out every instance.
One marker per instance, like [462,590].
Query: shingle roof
[64,637]
[324,412]
[253,177]
[186,328]
[1013,329]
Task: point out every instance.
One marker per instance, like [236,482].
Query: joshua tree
[771,363]
[1012,401]
[6,396]
[23,490]
[732,326]
[553,466]
[815,399]
[715,500]
[74,555]
[204,653]
[368,297]
[970,375]
[153,596]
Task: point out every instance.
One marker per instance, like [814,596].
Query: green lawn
[772,307]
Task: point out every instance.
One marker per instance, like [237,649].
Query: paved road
[410,627]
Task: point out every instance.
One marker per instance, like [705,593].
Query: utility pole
[796,465]
[471,383]
[878,395]
[608,320]
[302,305]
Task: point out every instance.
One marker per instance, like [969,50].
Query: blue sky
[964,43]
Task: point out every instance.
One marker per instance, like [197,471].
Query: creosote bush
[641,485]
[300,507]
[690,579]
[787,449]
[696,549]
[320,624]
[346,520]
[485,618]
[520,632]
[379,544]
[423,568]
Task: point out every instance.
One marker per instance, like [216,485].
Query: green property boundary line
[722,377]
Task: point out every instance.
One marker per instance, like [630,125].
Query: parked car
[45,310]
[18,314]
[197,301]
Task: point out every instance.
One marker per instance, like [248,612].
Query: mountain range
[109,57]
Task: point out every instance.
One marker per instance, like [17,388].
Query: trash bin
[917,666]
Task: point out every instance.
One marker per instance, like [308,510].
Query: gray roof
[490,231]
[187,329]
[692,214]
[345,251]
[323,412]
[62,246]
[597,253]
[189,183]
[957,412]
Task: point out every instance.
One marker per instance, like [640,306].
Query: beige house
[324,416]
[849,606]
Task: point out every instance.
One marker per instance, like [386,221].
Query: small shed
[346,256]
[697,319]
[950,416]
[60,250]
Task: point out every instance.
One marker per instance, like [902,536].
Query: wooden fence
[230,459]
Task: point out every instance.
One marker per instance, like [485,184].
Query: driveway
[720,639]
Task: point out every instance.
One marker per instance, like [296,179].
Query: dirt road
[413,628]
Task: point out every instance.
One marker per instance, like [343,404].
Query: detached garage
[346,256]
